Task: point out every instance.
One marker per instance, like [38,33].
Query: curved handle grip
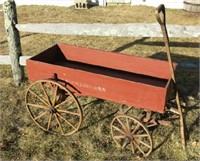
[161,8]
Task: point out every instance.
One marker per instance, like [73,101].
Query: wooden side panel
[134,64]
[91,84]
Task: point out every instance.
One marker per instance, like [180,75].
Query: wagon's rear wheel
[129,132]
[53,107]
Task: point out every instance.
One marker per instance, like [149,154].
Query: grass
[20,139]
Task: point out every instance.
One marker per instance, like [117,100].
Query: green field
[21,139]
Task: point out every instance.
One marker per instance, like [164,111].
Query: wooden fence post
[13,37]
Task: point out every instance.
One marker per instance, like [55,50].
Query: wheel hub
[129,136]
[52,109]
[128,139]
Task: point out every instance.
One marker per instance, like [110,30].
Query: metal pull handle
[161,8]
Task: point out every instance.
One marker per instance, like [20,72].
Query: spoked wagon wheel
[53,107]
[129,132]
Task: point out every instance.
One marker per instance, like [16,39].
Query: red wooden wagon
[63,72]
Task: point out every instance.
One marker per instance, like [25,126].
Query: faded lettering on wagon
[83,85]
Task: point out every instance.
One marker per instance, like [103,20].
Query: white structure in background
[63,3]
[178,4]
[118,1]
[168,3]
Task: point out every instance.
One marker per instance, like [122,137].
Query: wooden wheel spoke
[59,124]
[140,141]
[125,144]
[119,137]
[118,144]
[138,147]
[68,112]
[42,114]
[38,106]
[66,120]
[45,93]
[136,128]
[38,97]
[49,122]
[62,103]
[55,96]
[121,124]
[140,136]
[71,108]
[132,148]
[127,124]
[116,128]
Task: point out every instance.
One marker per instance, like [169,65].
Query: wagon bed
[125,79]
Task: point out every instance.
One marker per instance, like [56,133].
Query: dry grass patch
[20,139]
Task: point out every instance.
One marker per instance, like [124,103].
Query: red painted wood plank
[135,64]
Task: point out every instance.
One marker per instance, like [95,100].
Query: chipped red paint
[130,80]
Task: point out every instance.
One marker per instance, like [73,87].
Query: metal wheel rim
[55,115]
[132,146]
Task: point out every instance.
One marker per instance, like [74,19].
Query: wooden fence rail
[6,60]
[119,30]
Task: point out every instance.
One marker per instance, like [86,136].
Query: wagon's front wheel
[128,132]
[53,107]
